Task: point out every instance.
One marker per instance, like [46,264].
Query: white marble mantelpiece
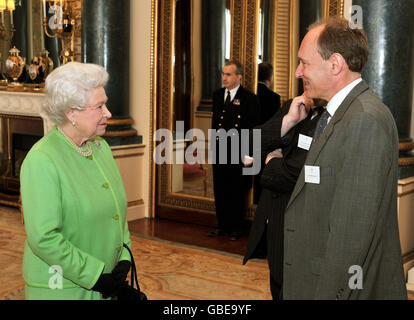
[25,104]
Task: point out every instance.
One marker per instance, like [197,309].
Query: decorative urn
[36,70]
[15,64]
[47,62]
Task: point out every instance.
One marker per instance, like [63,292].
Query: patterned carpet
[166,271]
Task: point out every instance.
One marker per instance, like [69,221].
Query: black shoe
[234,236]
[217,233]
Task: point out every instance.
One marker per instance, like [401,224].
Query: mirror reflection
[28,36]
[202,42]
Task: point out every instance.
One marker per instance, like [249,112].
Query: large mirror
[195,39]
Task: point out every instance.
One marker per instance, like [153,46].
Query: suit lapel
[239,93]
[324,137]
[223,93]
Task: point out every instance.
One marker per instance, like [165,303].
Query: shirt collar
[337,99]
[232,91]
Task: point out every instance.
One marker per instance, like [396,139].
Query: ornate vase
[15,64]
[47,63]
[36,70]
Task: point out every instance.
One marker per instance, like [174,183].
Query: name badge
[236,102]
[304,142]
[312,175]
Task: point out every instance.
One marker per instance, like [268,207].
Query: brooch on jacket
[236,102]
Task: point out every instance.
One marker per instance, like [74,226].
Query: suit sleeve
[214,121]
[253,111]
[280,174]
[271,133]
[41,194]
[354,212]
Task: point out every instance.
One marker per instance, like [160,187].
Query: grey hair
[239,67]
[69,86]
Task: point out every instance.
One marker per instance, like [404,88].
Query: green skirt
[33,293]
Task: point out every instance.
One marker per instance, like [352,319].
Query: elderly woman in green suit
[74,202]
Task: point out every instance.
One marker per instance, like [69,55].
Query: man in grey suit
[341,238]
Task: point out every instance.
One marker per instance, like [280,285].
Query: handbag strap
[134,276]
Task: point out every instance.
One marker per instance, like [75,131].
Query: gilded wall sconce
[58,17]
[7,5]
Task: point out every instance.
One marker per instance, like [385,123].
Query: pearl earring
[74,123]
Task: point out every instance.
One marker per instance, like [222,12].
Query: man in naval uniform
[234,109]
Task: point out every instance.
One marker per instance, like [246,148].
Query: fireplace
[22,124]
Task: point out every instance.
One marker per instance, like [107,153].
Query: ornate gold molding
[406,161]
[244,35]
[153,106]
[120,122]
[406,146]
[408,257]
[333,8]
[123,133]
[284,54]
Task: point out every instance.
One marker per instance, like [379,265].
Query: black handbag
[128,292]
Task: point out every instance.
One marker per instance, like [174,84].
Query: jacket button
[106,185]
[116,217]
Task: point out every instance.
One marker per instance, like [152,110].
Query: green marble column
[106,41]
[213,47]
[310,11]
[389,72]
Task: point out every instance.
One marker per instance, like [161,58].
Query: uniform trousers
[230,191]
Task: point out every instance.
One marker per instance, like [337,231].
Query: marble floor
[166,270]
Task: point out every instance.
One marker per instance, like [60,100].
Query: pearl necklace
[86,151]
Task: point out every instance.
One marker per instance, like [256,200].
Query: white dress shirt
[337,99]
[232,93]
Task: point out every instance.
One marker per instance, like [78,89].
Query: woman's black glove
[107,285]
[121,270]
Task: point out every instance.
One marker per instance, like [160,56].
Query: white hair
[69,87]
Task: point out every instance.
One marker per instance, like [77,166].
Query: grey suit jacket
[350,218]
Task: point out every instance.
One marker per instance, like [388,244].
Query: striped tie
[323,121]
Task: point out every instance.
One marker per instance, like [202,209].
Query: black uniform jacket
[269,102]
[242,113]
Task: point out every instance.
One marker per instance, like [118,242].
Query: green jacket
[75,213]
